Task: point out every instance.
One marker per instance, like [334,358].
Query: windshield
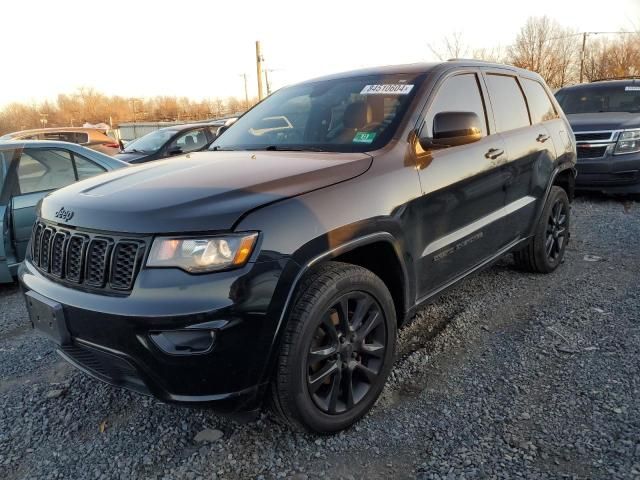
[352,114]
[151,142]
[600,98]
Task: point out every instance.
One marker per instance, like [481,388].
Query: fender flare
[552,179]
[327,255]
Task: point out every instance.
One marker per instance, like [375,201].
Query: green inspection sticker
[364,137]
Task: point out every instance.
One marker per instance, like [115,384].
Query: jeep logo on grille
[65,215]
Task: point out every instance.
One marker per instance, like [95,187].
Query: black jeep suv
[278,265]
[605,116]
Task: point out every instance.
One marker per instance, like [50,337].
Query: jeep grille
[83,259]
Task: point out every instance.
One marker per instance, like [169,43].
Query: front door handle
[494,153]
[542,138]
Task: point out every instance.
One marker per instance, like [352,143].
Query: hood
[130,156]
[589,122]
[199,192]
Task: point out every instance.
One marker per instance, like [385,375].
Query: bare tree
[495,54]
[546,47]
[452,46]
[612,57]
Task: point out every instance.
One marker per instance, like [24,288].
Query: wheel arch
[378,252]
[563,176]
[566,179]
[352,252]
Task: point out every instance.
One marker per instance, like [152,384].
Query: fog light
[184,342]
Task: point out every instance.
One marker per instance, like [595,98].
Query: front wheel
[337,351]
[546,250]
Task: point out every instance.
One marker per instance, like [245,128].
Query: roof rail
[627,77]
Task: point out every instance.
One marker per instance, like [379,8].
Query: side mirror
[222,129]
[451,129]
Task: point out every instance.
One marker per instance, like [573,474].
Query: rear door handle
[542,138]
[494,153]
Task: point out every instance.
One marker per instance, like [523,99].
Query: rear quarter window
[540,105]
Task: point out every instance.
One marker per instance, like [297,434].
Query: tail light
[112,145]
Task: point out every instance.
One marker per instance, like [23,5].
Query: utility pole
[266,80]
[246,91]
[584,43]
[259,61]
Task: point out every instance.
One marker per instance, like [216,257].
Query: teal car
[28,171]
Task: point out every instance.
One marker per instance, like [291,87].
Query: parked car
[28,171]
[605,117]
[93,138]
[171,141]
[279,266]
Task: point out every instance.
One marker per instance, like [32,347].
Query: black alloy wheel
[545,250]
[346,354]
[337,349]
[556,231]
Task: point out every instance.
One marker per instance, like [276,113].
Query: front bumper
[610,174]
[111,336]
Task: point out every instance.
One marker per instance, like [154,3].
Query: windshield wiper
[284,148]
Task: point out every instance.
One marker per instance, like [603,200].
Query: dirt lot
[509,374]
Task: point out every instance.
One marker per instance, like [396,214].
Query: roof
[38,143]
[603,83]
[57,129]
[417,68]
[184,126]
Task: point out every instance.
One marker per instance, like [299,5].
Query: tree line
[542,45]
[86,105]
[556,52]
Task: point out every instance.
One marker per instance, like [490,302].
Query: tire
[321,354]
[545,251]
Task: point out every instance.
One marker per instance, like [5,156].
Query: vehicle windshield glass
[600,98]
[151,142]
[353,114]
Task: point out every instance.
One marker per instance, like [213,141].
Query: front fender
[301,237]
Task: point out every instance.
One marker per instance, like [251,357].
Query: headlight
[628,142]
[202,254]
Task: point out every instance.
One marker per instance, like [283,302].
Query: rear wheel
[546,250]
[337,351]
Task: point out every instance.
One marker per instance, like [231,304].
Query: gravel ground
[509,374]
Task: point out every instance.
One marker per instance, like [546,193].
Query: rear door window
[72,137]
[540,105]
[509,107]
[81,137]
[41,170]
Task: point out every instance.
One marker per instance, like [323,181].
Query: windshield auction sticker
[387,89]
[364,137]
[632,89]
